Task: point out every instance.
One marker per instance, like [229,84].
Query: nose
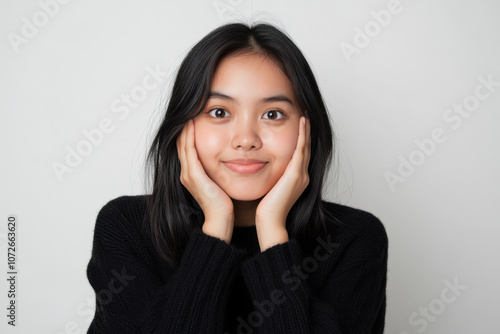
[246,134]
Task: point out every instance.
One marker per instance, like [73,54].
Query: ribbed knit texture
[336,284]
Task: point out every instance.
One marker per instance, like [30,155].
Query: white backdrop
[413,88]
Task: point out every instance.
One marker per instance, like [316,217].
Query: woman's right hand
[217,206]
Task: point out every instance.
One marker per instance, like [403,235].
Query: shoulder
[124,208]
[126,204]
[121,215]
[350,224]
[119,234]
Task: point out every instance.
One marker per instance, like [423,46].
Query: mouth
[245,168]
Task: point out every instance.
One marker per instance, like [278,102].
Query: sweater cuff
[276,275]
[204,253]
[207,263]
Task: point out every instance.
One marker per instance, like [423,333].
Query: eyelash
[275,110]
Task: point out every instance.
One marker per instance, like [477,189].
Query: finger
[180,155]
[188,146]
[302,141]
[195,166]
[191,154]
[180,147]
[296,162]
[308,141]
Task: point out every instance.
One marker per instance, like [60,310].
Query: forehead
[250,75]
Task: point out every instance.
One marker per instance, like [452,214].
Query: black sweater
[337,286]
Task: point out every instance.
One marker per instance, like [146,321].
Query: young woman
[235,236]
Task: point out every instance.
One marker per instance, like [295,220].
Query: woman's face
[252,113]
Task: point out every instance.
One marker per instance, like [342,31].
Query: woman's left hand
[271,213]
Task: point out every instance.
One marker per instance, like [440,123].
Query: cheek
[208,144]
[282,144]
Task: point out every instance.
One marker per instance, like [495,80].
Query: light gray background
[442,221]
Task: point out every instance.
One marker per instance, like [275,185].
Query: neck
[244,212]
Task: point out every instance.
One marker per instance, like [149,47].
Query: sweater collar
[246,237]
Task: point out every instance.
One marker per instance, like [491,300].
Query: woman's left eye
[275,113]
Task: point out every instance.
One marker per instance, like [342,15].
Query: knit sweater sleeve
[131,296]
[351,298]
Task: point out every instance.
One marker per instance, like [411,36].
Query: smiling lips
[245,166]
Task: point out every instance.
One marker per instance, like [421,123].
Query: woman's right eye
[218,112]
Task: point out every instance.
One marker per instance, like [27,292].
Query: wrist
[221,229]
[270,236]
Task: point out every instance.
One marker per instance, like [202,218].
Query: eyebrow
[275,98]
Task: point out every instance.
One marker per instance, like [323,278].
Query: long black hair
[172,211]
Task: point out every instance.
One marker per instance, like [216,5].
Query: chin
[245,198]
[246,194]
